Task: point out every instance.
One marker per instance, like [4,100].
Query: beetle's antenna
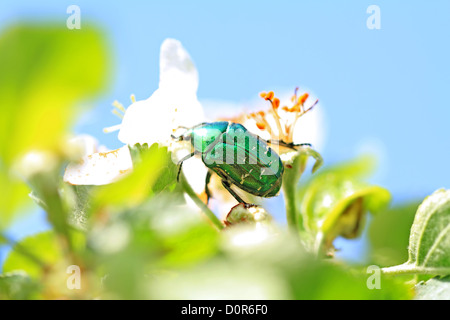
[289,145]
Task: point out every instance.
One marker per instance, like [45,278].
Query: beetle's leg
[180,164]
[207,181]
[290,145]
[227,185]
[179,138]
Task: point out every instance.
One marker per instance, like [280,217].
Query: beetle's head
[203,135]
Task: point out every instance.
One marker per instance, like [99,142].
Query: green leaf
[389,234]
[13,196]
[34,254]
[295,166]
[38,200]
[430,233]
[220,279]
[265,263]
[152,163]
[79,198]
[190,245]
[321,280]
[17,286]
[3,239]
[433,289]
[180,233]
[344,216]
[138,244]
[167,179]
[334,202]
[429,238]
[45,70]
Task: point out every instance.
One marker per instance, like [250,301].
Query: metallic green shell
[245,160]
[204,135]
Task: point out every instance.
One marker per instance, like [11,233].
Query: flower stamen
[118,109]
[112,128]
[285,125]
[119,106]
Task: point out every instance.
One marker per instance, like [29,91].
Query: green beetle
[238,157]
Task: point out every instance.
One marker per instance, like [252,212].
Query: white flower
[96,165]
[149,121]
[297,123]
[99,168]
[83,145]
[294,124]
[172,105]
[288,124]
[36,162]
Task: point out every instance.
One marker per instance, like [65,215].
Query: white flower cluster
[149,121]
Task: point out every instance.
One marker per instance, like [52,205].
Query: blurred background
[381,91]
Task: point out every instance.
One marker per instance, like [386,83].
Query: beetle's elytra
[238,157]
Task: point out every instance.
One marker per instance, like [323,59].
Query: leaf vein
[436,243]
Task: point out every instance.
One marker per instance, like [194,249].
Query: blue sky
[381,90]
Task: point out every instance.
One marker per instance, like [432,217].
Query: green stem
[413,269]
[212,217]
[291,208]
[291,177]
[46,188]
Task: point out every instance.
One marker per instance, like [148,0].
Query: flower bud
[247,213]
[36,162]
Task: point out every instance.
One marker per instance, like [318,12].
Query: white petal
[146,121]
[100,168]
[177,70]
[250,125]
[174,104]
[310,128]
[85,143]
[195,172]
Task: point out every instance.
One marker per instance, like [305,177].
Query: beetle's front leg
[227,185]
[207,181]
[180,164]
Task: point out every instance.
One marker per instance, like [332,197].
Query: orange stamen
[270,95]
[276,103]
[295,108]
[303,98]
[261,126]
